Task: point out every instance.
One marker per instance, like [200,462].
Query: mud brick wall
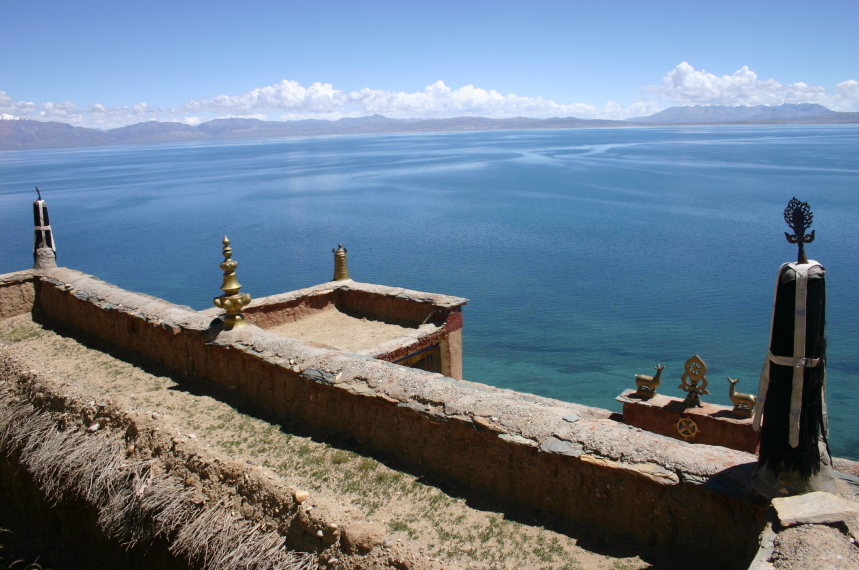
[556,456]
[390,304]
[401,309]
[17,293]
[267,315]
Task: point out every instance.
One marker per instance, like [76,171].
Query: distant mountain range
[716,114]
[25,133]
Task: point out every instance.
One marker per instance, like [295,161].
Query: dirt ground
[339,330]
[820,547]
[455,528]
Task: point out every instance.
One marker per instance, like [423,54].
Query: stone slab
[813,508]
[555,445]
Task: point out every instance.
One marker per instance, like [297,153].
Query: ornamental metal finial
[231,301]
[695,370]
[341,270]
[798,217]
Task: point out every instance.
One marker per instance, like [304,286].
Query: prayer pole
[44,250]
[794,454]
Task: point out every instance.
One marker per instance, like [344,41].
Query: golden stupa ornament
[341,270]
[231,301]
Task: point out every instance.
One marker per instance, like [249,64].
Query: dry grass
[132,507]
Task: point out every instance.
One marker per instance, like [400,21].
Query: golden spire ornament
[341,270]
[231,301]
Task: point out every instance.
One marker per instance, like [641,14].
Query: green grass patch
[340,457]
[366,464]
[19,334]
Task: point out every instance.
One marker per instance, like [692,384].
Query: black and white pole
[44,249]
[794,457]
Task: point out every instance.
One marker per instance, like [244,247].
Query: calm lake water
[588,255]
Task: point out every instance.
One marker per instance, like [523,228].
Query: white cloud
[321,100]
[848,89]
[96,115]
[688,86]
[289,100]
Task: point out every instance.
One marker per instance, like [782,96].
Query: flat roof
[333,328]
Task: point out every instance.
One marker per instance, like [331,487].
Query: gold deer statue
[744,404]
[647,384]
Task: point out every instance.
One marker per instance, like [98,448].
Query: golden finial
[231,301]
[341,271]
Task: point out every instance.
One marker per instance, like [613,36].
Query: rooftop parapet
[560,457]
[398,325]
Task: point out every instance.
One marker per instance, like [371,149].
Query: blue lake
[588,255]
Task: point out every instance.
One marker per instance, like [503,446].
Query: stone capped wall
[560,457]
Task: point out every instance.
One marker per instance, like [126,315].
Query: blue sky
[106,64]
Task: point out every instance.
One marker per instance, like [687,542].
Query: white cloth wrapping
[41,227]
[799,362]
